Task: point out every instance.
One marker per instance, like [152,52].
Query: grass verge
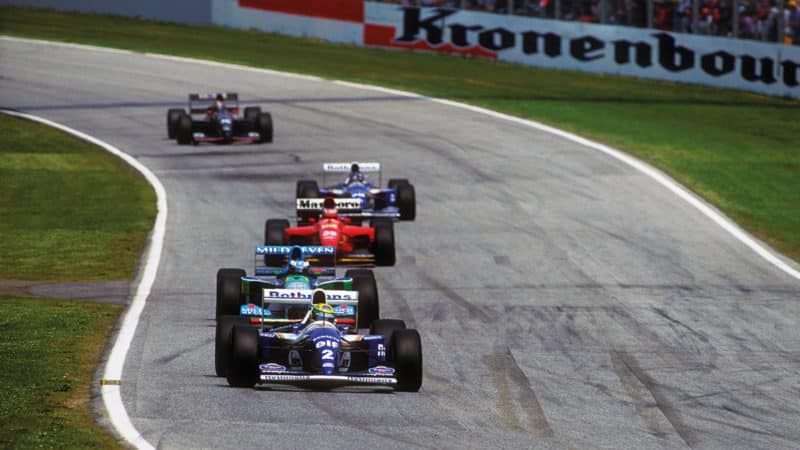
[48,351]
[70,211]
[738,150]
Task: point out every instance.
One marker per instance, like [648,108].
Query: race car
[396,201]
[216,119]
[320,351]
[240,297]
[359,245]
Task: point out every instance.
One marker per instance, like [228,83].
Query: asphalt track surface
[564,300]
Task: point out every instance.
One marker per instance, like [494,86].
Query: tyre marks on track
[514,388]
[627,369]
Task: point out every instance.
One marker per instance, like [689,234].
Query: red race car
[373,244]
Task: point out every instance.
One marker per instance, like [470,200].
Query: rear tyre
[184,131]
[229,291]
[243,368]
[384,243]
[405,352]
[274,235]
[173,115]
[386,328]
[222,342]
[368,305]
[307,189]
[394,182]
[407,201]
[251,114]
[264,127]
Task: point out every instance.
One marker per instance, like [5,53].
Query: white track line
[158,235]
[113,371]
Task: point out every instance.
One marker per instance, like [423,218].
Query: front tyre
[173,116]
[405,352]
[264,127]
[243,367]
[222,342]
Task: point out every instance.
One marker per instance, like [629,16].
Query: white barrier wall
[748,65]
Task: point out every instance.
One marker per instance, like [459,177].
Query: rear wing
[311,207]
[345,304]
[199,103]
[344,167]
[325,255]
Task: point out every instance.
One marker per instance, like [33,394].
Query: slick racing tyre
[229,291]
[407,201]
[222,342]
[405,353]
[384,243]
[243,368]
[274,235]
[386,328]
[394,182]
[173,116]
[251,114]
[368,306]
[307,189]
[264,127]
[184,131]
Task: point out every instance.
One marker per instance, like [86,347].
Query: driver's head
[329,208]
[298,264]
[354,168]
[323,311]
[219,103]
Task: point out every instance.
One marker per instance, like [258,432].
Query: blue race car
[240,298]
[357,196]
[321,351]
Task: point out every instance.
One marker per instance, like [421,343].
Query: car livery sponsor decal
[272,367]
[381,370]
[251,309]
[346,166]
[286,249]
[344,310]
[307,294]
[316,203]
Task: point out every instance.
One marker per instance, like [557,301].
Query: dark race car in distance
[216,119]
[396,201]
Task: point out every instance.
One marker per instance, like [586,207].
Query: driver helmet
[298,265]
[323,311]
[355,174]
[219,104]
[329,208]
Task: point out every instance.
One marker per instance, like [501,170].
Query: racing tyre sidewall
[173,116]
[407,201]
[222,342]
[243,368]
[229,291]
[274,235]
[368,302]
[384,243]
[405,352]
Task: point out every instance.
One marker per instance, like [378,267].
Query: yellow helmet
[323,311]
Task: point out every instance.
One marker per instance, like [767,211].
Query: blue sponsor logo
[344,310]
[285,250]
[272,367]
[253,310]
[381,370]
[268,335]
[372,337]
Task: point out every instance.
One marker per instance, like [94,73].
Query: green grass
[48,351]
[70,211]
[738,150]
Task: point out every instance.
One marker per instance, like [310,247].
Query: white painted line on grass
[112,375]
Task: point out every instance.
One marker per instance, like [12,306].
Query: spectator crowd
[752,19]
